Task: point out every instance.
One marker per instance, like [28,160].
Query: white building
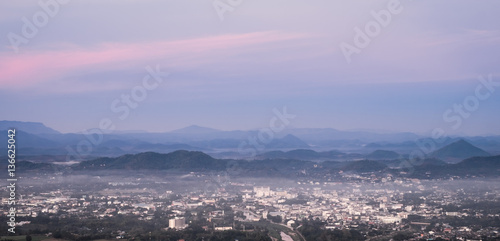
[223,228]
[177,223]
[389,219]
[262,191]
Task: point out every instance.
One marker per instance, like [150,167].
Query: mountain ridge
[460,149]
[196,161]
[28,127]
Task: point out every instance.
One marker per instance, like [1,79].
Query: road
[255,215]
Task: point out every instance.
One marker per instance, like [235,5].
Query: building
[177,223]
[223,228]
[262,191]
[390,219]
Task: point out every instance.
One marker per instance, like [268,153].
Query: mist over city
[249,120]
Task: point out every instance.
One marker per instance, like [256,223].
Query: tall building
[262,191]
[177,223]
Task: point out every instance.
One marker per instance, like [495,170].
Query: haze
[231,74]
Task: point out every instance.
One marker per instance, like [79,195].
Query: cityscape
[262,120]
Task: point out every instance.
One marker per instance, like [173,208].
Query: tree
[275,219]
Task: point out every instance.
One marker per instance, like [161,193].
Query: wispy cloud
[39,67]
[464,36]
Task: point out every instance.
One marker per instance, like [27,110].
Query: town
[364,207]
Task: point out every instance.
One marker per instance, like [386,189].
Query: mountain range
[292,153]
[194,161]
[453,152]
[38,139]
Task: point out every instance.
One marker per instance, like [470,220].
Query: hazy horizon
[375,131]
[424,61]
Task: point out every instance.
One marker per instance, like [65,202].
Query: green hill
[382,154]
[186,160]
[459,150]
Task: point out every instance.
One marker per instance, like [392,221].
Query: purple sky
[265,54]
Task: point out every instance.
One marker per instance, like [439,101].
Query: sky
[226,64]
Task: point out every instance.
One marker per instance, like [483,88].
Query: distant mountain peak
[181,159]
[28,127]
[460,149]
[288,141]
[194,129]
[462,143]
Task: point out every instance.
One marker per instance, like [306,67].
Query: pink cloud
[37,67]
